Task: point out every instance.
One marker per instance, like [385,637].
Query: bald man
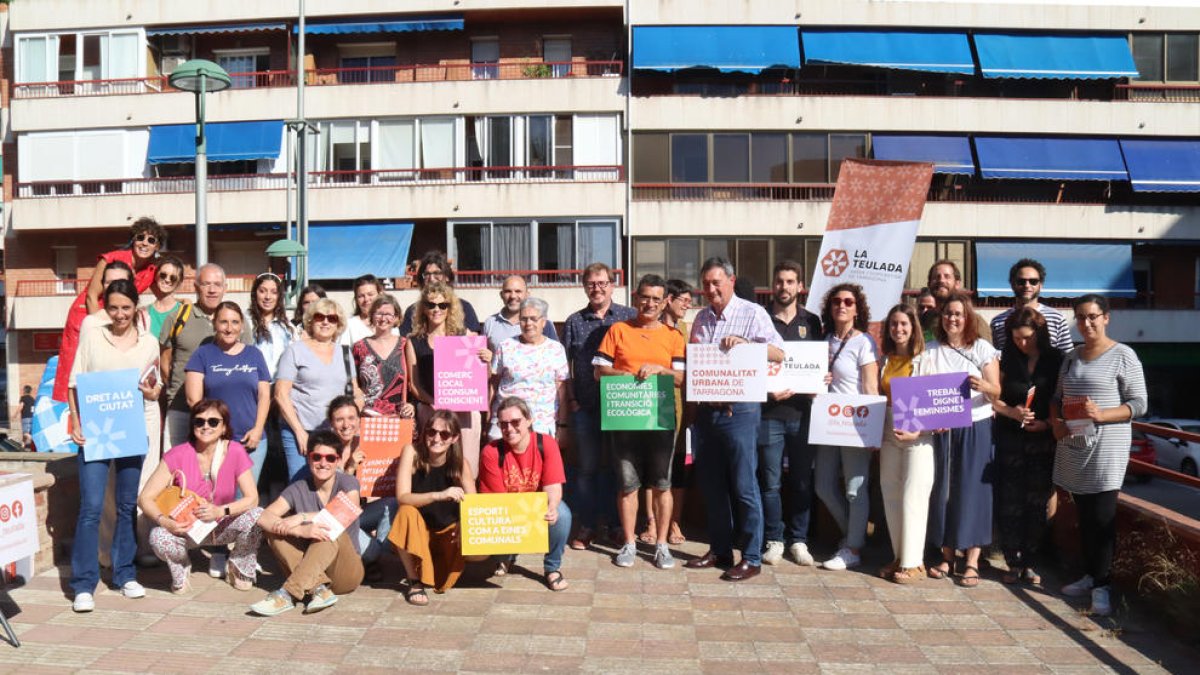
[503,324]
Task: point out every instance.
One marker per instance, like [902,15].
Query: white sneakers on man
[1080,588]
[773,554]
[1101,604]
[133,589]
[800,554]
[844,559]
[84,602]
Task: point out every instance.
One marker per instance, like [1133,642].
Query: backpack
[181,319]
[502,451]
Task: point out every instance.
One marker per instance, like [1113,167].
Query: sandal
[940,571]
[909,575]
[555,581]
[501,568]
[969,581]
[676,538]
[650,536]
[890,569]
[1031,577]
[414,593]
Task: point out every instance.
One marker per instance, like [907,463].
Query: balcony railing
[494,278]
[46,288]
[1173,93]
[823,192]
[533,70]
[327,179]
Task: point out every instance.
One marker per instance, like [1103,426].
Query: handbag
[178,502]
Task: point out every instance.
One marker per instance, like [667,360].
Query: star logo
[104,439]
[904,417]
[835,262]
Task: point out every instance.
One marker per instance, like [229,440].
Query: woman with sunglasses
[308,295]
[439,313]
[216,468]
[1101,388]
[960,510]
[229,370]
[312,371]
[379,360]
[115,346]
[430,483]
[853,369]
[147,237]
[318,568]
[166,283]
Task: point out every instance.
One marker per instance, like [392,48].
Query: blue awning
[349,250]
[213,30]
[1163,165]
[747,49]
[925,51]
[413,25]
[949,154]
[227,142]
[1062,57]
[1071,269]
[1050,158]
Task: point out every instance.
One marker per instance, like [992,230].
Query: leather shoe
[741,572]
[708,560]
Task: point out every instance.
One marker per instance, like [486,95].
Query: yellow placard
[495,524]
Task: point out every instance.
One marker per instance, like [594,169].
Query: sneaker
[663,559]
[322,598]
[276,602]
[216,564]
[84,602]
[774,553]
[1101,606]
[800,554]
[1080,588]
[844,559]
[626,556]
[133,589]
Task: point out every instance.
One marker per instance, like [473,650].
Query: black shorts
[643,458]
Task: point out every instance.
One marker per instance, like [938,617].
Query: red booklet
[1074,410]
[338,514]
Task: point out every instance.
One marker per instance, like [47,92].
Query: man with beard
[944,279]
[1026,277]
[503,324]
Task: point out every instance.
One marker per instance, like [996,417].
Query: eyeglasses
[319,317]
[210,284]
[1027,282]
[847,302]
[169,278]
[529,319]
[382,315]
[322,457]
[212,422]
[148,238]
[433,273]
[505,424]
[598,284]
[1088,318]
[650,300]
[439,433]
[437,305]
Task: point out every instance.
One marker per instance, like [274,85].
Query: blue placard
[112,414]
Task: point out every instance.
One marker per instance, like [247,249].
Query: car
[1141,449]
[1173,453]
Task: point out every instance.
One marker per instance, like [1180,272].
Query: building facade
[649,134]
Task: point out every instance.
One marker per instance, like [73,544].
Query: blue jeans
[93,483]
[559,531]
[592,492]
[778,439]
[377,516]
[292,453]
[847,497]
[727,464]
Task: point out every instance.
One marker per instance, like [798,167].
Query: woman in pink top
[215,468]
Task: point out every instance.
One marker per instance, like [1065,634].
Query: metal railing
[494,278]
[823,192]
[1152,429]
[526,70]
[46,288]
[1172,93]
[326,179]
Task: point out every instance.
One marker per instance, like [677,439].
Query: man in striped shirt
[1026,277]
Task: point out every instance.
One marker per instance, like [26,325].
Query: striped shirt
[1090,464]
[742,318]
[1060,333]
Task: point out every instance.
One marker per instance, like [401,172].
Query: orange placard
[383,438]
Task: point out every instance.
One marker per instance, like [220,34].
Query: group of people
[236,381]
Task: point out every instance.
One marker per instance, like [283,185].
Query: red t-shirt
[522,472]
[141,278]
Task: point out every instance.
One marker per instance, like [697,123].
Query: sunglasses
[437,305]
[148,238]
[504,424]
[1027,282]
[322,457]
[169,278]
[212,422]
[318,318]
[847,302]
[439,433]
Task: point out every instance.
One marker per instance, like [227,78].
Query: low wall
[56,494]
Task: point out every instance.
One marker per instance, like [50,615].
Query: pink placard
[460,379]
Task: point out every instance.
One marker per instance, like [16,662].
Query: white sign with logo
[851,420]
[802,370]
[739,374]
[18,519]
[875,257]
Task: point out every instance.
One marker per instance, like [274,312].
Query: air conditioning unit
[170,63]
[176,44]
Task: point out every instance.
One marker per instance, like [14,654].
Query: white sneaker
[1101,606]
[800,554]
[84,602]
[626,556]
[663,559]
[133,589]
[774,553]
[844,559]
[216,564]
[1080,588]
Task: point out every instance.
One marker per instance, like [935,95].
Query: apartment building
[647,134]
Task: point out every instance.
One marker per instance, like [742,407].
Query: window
[731,158]
[1169,57]
[842,146]
[90,155]
[768,155]
[556,51]
[810,158]
[651,158]
[525,245]
[1148,56]
[564,143]
[66,269]
[689,158]
[1183,51]
[242,64]
[598,144]
[78,57]
[485,58]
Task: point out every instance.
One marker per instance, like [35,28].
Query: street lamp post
[200,76]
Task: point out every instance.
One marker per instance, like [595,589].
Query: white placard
[18,520]
[739,374]
[875,257]
[852,420]
[802,370]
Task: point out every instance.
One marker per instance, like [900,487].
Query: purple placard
[931,402]
[460,379]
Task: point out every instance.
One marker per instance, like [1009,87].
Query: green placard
[629,405]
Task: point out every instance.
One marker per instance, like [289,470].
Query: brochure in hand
[338,514]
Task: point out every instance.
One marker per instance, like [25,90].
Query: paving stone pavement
[790,619]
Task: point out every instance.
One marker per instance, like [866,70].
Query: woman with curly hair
[439,313]
[853,369]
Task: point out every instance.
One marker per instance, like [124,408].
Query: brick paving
[790,619]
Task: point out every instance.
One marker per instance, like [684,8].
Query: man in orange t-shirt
[642,347]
